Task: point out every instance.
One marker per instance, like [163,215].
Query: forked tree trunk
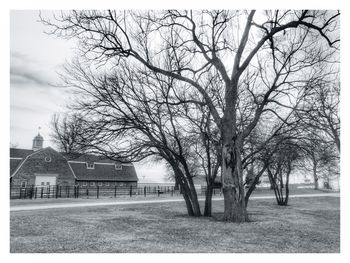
[232,176]
[188,204]
[278,188]
[190,198]
[193,194]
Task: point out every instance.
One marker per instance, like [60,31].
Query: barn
[41,166]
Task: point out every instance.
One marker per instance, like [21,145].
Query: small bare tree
[280,165]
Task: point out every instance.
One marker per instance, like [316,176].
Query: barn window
[118,166]
[47,159]
[84,183]
[92,183]
[23,184]
[99,183]
[90,165]
[107,184]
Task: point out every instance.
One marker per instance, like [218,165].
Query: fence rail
[59,191]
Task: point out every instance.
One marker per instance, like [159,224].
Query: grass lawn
[306,225]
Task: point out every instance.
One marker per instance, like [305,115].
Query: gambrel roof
[103,168]
[104,172]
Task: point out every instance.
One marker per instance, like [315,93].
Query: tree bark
[190,198]
[208,200]
[233,188]
[287,188]
[314,169]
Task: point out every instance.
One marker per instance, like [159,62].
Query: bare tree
[280,46]
[206,149]
[133,115]
[318,154]
[280,163]
[67,133]
[320,111]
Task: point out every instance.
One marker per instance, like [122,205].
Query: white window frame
[90,166]
[48,159]
[118,167]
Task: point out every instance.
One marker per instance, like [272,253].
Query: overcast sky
[35,60]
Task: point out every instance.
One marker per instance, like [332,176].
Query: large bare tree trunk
[233,188]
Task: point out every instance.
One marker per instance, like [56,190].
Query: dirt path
[20,207]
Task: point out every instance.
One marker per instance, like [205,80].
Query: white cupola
[38,142]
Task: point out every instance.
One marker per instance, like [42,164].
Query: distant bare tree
[319,154]
[320,111]
[280,165]
[281,47]
[68,133]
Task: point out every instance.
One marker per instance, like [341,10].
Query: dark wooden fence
[58,191]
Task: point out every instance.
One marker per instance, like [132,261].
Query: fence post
[36,190]
[78,191]
[130,190]
[172,190]
[115,191]
[56,191]
[31,192]
[67,192]
[42,192]
[87,191]
[98,191]
[145,191]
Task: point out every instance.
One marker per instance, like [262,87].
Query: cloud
[21,56]
[22,76]
[25,71]
[25,108]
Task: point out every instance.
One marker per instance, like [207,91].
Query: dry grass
[307,225]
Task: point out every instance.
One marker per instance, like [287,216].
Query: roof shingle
[104,172]
[20,153]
